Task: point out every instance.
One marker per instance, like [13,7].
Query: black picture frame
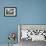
[14,11]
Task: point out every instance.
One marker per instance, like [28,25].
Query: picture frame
[10,11]
[39,28]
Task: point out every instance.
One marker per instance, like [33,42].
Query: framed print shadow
[10,11]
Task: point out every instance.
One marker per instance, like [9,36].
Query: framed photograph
[33,32]
[10,11]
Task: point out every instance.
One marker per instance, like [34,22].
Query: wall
[33,12]
[28,12]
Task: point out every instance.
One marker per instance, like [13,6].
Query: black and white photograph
[30,34]
[10,11]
